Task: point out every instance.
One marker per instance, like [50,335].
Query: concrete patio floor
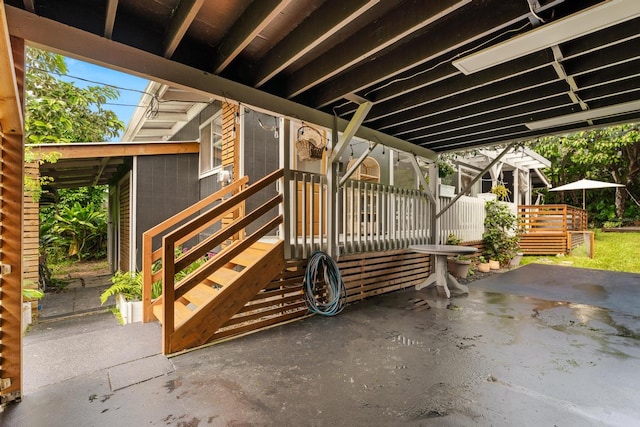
[492,358]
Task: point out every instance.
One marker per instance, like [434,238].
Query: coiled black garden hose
[324,289]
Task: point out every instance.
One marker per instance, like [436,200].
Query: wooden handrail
[149,256]
[223,258]
[171,265]
[222,235]
[206,218]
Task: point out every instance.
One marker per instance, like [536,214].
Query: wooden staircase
[193,308]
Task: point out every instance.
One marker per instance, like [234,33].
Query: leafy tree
[58,111]
[607,154]
[61,112]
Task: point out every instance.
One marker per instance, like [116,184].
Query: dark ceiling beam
[496,16]
[398,24]
[501,95]
[611,88]
[525,71]
[601,39]
[29,5]
[86,46]
[604,58]
[180,22]
[522,113]
[527,136]
[523,133]
[252,22]
[619,72]
[110,18]
[499,127]
[330,18]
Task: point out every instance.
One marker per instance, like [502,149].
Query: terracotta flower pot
[494,265]
[484,267]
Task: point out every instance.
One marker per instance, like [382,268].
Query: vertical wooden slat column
[11,201]
[231,150]
[31,232]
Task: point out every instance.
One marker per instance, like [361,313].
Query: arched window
[369,170]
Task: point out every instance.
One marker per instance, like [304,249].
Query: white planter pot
[447,190]
[487,196]
[26,315]
[131,311]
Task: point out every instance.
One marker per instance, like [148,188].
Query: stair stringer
[207,319]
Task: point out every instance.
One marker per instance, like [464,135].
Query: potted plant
[501,192]
[445,169]
[29,295]
[483,264]
[457,265]
[126,288]
[501,236]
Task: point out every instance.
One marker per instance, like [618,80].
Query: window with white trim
[211,145]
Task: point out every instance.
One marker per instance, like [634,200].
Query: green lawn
[613,251]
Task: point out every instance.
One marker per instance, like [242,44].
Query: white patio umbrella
[585,184]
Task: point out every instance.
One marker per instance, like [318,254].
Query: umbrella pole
[584,205]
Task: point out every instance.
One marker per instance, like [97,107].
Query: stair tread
[248,256]
[223,276]
[182,313]
[201,294]
[263,245]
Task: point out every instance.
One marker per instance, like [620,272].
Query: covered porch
[423,80]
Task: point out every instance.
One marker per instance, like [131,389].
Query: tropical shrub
[80,229]
[501,232]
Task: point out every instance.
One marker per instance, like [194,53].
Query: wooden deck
[552,229]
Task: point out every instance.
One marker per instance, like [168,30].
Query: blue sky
[105,75]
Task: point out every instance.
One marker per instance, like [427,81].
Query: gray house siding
[166,184]
[261,157]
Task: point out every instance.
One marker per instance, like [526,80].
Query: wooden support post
[337,148]
[285,186]
[11,217]
[435,204]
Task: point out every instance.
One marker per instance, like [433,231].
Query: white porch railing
[377,217]
[372,216]
[465,219]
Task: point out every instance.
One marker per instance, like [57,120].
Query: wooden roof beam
[112,149]
[330,18]
[393,27]
[10,105]
[180,22]
[99,50]
[257,16]
[30,5]
[497,15]
[110,18]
